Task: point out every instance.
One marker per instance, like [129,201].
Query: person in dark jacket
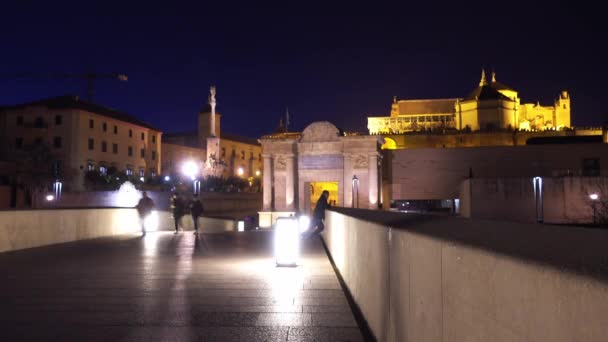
[144,209]
[318,215]
[196,210]
[179,209]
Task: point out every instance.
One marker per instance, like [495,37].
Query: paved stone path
[165,287]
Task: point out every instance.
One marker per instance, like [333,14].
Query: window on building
[57,142]
[130,133]
[142,153]
[591,167]
[104,126]
[19,142]
[57,168]
[20,120]
[152,173]
[104,146]
[39,122]
[259,157]
[115,129]
[115,148]
[38,141]
[103,170]
[91,144]
[130,151]
[223,152]
[564,106]
[153,155]
[129,171]
[143,136]
[142,173]
[91,123]
[154,139]
[242,155]
[58,120]
[250,155]
[90,167]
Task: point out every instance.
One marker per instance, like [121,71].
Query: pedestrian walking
[196,210]
[317,223]
[179,209]
[144,209]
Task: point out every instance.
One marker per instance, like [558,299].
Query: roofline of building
[74,102]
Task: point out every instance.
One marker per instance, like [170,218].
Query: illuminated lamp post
[287,241]
[594,198]
[191,170]
[240,171]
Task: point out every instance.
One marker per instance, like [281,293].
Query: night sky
[324,62]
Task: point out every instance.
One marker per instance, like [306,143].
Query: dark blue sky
[324,62]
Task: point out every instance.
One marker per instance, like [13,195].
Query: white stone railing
[419,278]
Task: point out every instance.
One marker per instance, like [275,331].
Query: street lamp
[240,171]
[257,173]
[594,197]
[190,169]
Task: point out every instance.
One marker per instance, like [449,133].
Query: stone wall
[21,229]
[564,199]
[430,278]
[435,173]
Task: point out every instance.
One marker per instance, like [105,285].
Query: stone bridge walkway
[165,287]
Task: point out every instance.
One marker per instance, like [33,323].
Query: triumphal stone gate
[299,166]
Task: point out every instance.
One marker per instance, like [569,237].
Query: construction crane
[90,78]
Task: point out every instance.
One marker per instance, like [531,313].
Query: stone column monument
[213,142]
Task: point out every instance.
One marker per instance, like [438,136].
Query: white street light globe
[190,169]
[50,198]
[594,197]
[240,171]
[257,173]
[167,178]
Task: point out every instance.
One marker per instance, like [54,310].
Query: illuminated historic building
[489,107]
[82,136]
[299,166]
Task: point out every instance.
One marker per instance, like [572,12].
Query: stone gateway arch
[298,166]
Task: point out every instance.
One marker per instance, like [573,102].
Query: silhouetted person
[144,208]
[196,210]
[318,216]
[179,209]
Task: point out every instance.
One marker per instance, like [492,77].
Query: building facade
[82,136]
[489,107]
[299,166]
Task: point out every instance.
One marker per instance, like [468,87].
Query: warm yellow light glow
[241,226]
[389,144]
[240,171]
[316,188]
[257,173]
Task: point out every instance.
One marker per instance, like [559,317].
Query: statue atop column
[212,103]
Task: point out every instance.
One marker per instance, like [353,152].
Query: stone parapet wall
[430,278]
[20,229]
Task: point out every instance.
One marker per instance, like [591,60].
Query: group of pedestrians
[180,206]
